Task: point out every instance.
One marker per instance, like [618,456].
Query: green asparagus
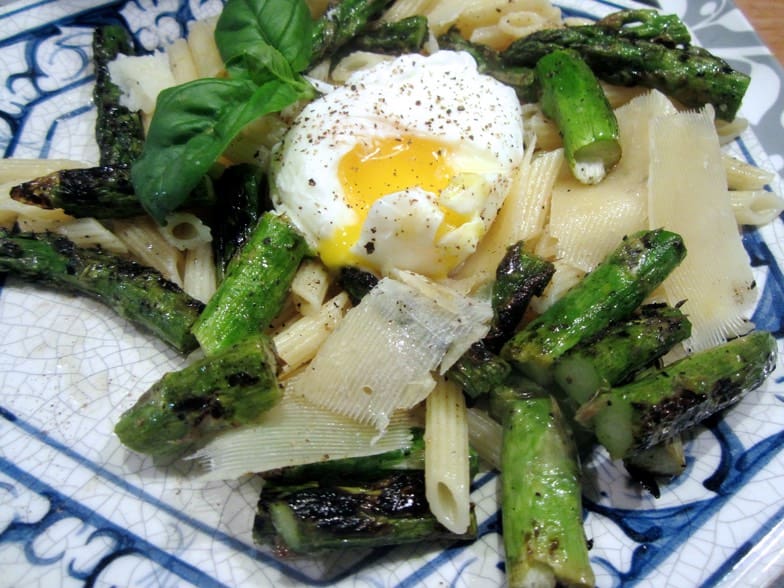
[648,411]
[243,199]
[620,351]
[518,278]
[102,192]
[137,293]
[572,97]
[255,287]
[341,23]
[390,38]
[214,394]
[541,503]
[634,55]
[318,516]
[119,131]
[612,291]
[665,460]
[478,370]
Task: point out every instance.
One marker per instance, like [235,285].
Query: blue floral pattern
[76,508]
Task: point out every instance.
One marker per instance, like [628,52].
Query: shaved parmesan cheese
[689,195]
[380,357]
[295,432]
[590,220]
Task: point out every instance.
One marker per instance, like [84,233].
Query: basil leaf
[260,36]
[192,125]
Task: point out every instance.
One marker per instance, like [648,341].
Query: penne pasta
[198,272]
[755,207]
[185,230]
[485,436]
[744,176]
[447,476]
[144,241]
[298,342]
[309,287]
[204,50]
[181,62]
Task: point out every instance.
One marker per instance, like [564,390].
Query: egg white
[471,120]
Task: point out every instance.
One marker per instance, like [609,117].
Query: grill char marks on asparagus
[620,52]
[620,351]
[342,22]
[407,35]
[228,390]
[118,130]
[648,411]
[244,197]
[102,192]
[317,516]
[138,293]
[611,292]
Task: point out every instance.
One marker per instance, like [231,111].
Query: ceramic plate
[76,508]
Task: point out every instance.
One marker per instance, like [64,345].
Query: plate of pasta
[253,333]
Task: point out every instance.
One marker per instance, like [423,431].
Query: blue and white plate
[76,508]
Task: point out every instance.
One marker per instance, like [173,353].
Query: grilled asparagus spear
[648,411]
[612,291]
[407,35]
[228,390]
[572,97]
[650,53]
[620,351]
[118,130]
[255,286]
[541,503]
[101,192]
[137,293]
[341,23]
[317,516]
[243,199]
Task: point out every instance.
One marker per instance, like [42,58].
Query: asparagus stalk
[478,371]
[255,287]
[518,278]
[341,23]
[667,459]
[620,351]
[101,192]
[648,411]
[636,55]
[407,35]
[243,199]
[541,503]
[137,293]
[612,291]
[572,97]
[318,515]
[225,391]
[119,131]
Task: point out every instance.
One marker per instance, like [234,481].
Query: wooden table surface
[767,17]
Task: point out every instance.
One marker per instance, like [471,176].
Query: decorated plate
[77,508]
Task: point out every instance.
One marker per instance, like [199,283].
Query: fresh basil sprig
[265,44]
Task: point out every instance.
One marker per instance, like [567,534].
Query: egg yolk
[385,166]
